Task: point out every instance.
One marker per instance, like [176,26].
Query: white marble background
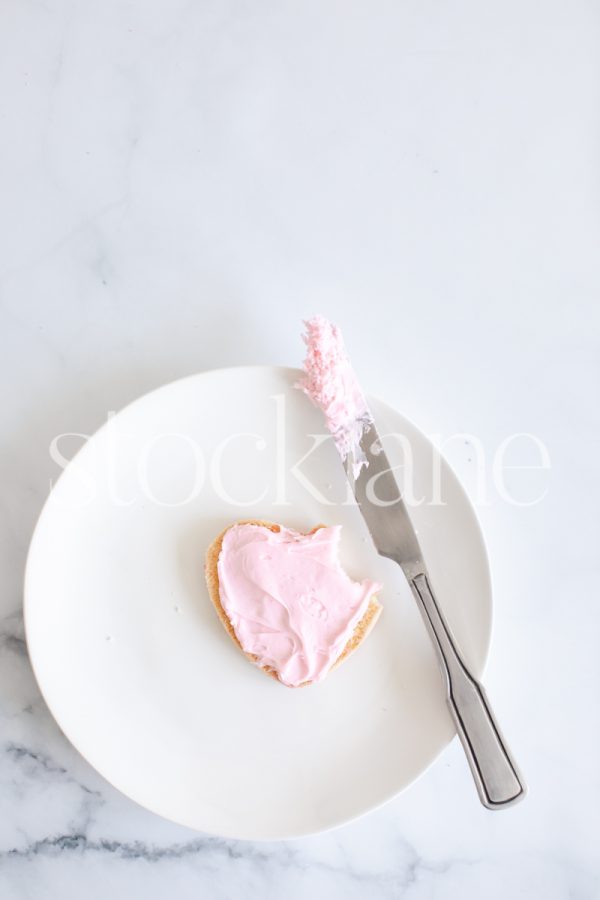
[180,183]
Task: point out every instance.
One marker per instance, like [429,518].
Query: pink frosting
[332,386]
[289,601]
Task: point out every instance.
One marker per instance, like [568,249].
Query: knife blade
[497,778]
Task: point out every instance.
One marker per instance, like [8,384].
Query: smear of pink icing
[331,384]
[288,599]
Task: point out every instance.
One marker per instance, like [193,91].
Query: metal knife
[498,780]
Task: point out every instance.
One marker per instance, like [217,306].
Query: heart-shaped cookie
[285,600]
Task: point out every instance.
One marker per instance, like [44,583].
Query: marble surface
[181,183]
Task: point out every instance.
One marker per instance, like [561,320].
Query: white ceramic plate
[139,672]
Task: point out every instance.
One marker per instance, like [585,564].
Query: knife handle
[497,778]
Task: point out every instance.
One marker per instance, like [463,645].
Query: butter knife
[497,778]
